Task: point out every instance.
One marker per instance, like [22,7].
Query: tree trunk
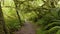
[17,5]
[3,29]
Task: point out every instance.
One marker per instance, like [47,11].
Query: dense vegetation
[44,13]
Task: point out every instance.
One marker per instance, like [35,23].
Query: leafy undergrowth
[39,31]
[13,25]
[49,24]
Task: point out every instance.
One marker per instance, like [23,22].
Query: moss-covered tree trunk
[3,29]
[17,7]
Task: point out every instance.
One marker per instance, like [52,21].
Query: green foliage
[45,14]
[58,32]
[50,23]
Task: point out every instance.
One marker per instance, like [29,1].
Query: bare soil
[28,28]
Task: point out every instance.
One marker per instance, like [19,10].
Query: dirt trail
[28,28]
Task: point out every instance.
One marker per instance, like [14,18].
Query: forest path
[28,28]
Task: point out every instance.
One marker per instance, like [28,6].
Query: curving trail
[28,28]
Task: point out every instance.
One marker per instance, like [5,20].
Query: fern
[50,23]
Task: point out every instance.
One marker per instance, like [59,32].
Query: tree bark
[17,5]
[3,29]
